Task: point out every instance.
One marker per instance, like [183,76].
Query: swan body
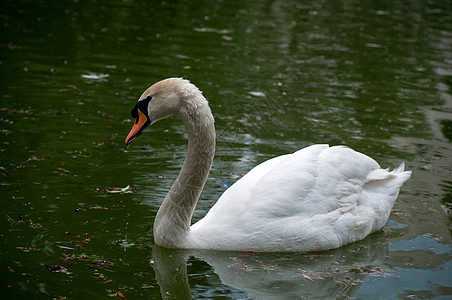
[317,198]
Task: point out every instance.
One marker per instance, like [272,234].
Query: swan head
[161,100]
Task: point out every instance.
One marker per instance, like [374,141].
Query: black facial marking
[141,105]
[134,112]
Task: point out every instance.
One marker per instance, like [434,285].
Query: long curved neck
[172,222]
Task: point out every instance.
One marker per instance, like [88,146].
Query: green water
[279,75]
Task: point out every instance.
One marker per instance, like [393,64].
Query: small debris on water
[116,190]
[257,94]
[95,76]
[57,268]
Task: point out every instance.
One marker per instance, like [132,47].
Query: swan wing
[314,180]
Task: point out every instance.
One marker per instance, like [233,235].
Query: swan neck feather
[173,219]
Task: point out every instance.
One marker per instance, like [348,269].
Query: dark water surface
[279,75]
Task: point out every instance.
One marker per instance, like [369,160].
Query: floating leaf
[27,249]
[4,171]
[213,30]
[95,76]
[146,286]
[57,268]
[125,190]
[257,94]
[306,276]
[121,295]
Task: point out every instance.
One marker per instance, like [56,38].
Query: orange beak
[141,123]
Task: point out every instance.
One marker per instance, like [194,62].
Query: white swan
[317,198]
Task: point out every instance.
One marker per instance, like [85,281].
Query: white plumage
[317,198]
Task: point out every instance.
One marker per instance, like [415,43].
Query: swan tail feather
[398,175]
[381,190]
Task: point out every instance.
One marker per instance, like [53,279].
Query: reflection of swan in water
[277,275]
